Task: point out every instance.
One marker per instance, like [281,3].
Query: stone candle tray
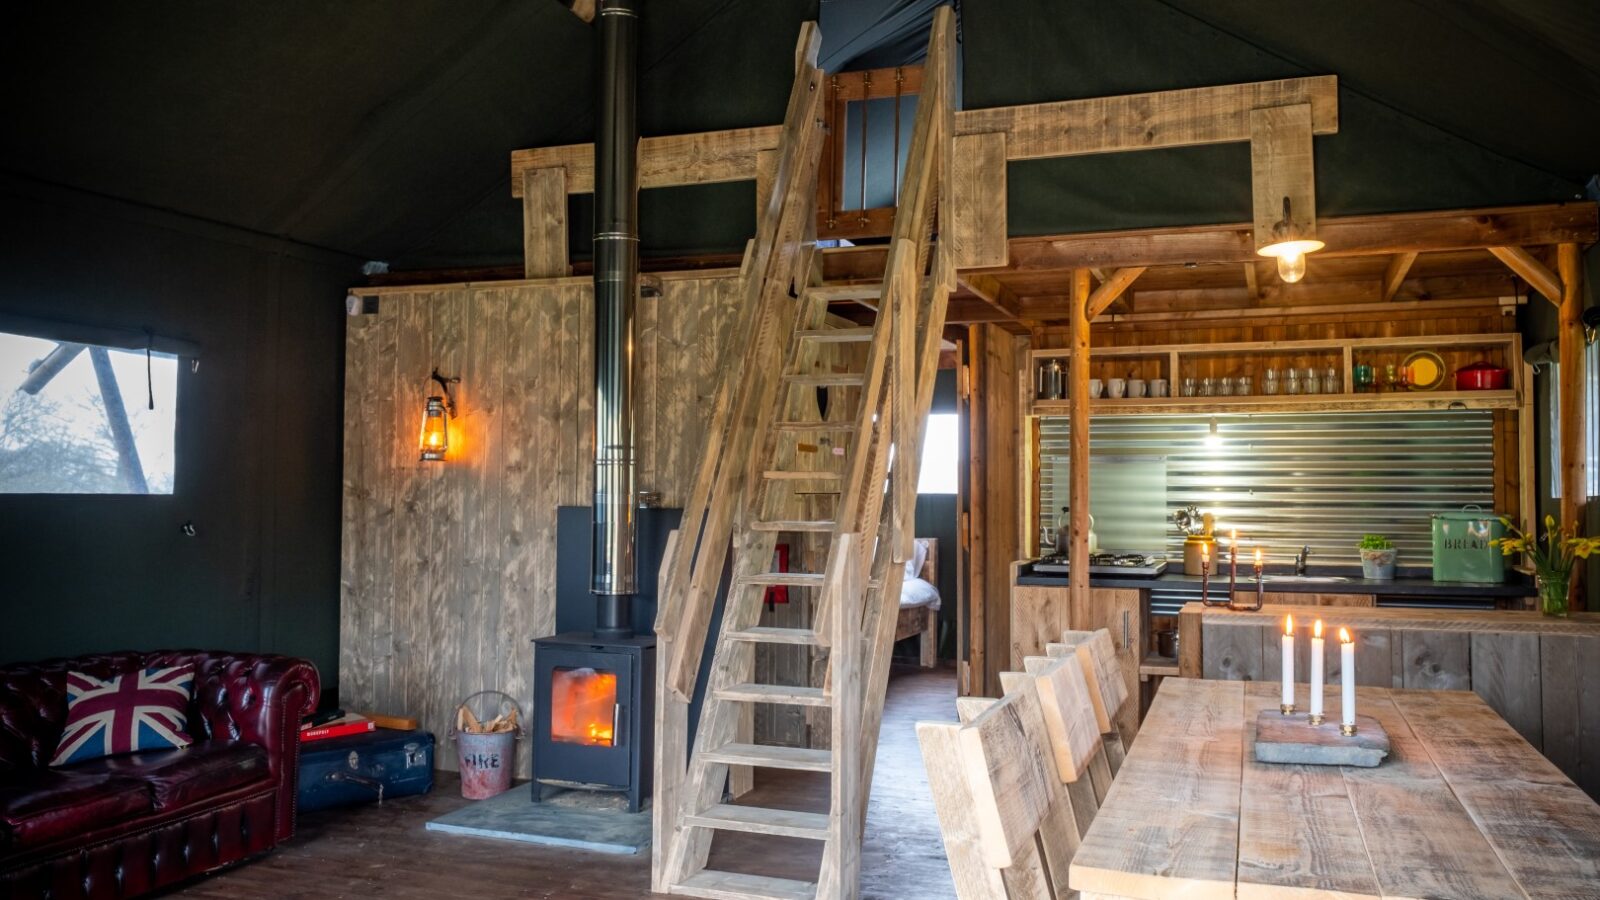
[1293,739]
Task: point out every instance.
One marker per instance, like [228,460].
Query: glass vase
[1553,594]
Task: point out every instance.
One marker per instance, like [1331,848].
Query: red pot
[1481,376]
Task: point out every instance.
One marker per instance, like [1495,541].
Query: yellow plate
[1426,369]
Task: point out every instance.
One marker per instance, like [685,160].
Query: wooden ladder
[763,476]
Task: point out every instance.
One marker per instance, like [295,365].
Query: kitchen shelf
[1179,360]
[1261,403]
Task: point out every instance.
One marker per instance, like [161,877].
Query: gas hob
[1110,562]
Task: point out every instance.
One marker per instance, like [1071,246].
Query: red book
[337,728]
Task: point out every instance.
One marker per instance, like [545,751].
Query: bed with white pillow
[919,599]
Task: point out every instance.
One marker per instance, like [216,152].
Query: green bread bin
[1461,550]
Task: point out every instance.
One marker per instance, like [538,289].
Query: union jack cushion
[145,710]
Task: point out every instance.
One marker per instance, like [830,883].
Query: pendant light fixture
[1290,246]
[1283,187]
[435,439]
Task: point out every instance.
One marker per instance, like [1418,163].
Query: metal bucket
[487,761]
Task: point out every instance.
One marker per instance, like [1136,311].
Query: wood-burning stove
[594,713]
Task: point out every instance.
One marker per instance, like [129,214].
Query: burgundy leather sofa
[124,825]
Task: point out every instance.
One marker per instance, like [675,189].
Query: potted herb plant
[1377,557]
[1552,559]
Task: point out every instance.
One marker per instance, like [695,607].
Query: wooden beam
[1282,172]
[1078,449]
[1111,288]
[1570,344]
[1530,269]
[705,157]
[1182,118]
[994,293]
[1395,274]
[1251,280]
[544,223]
[976,222]
[1467,229]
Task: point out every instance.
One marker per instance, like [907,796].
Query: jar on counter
[1309,382]
[1330,381]
[1291,384]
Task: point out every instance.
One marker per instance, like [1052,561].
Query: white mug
[1158,387]
[1095,388]
[1136,388]
[1116,387]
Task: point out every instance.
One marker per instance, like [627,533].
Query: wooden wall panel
[448,569]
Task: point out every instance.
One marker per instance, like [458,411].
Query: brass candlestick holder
[1347,730]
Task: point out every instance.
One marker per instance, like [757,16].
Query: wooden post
[1078,425]
[1574,482]
[544,223]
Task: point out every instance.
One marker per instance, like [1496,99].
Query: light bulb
[1291,256]
[1292,267]
[1213,436]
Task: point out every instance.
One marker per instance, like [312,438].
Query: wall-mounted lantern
[435,441]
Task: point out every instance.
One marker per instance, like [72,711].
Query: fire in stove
[583,705]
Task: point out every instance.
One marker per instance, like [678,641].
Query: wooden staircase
[763,477]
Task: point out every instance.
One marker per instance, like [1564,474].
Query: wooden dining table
[1463,807]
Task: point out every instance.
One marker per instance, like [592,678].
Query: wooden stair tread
[814,426]
[831,292]
[791,475]
[812,525]
[765,634]
[718,885]
[797,579]
[763,820]
[775,693]
[827,379]
[860,333]
[771,757]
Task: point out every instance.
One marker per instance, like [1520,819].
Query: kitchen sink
[1307,579]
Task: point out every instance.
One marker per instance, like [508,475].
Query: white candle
[1288,663]
[1316,671]
[1347,679]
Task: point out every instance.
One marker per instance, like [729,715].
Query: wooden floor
[384,852]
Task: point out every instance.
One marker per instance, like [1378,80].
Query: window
[1591,404]
[939,450]
[78,418]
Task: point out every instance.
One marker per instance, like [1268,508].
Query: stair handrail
[697,555]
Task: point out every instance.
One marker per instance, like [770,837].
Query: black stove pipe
[613,579]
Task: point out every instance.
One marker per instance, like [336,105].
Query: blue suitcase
[363,768]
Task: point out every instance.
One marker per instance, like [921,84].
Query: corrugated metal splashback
[1285,480]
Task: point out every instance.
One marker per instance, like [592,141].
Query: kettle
[1064,533]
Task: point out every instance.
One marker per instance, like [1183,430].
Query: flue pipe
[616,288]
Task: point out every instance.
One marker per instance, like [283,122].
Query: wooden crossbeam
[1111,288]
[1520,226]
[706,157]
[1530,269]
[1395,274]
[995,294]
[1183,118]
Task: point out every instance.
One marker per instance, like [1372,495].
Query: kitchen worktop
[1516,585]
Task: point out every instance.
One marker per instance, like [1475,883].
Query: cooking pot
[1481,376]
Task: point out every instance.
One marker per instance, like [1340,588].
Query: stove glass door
[583,706]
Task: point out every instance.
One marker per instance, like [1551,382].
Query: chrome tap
[1300,560]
